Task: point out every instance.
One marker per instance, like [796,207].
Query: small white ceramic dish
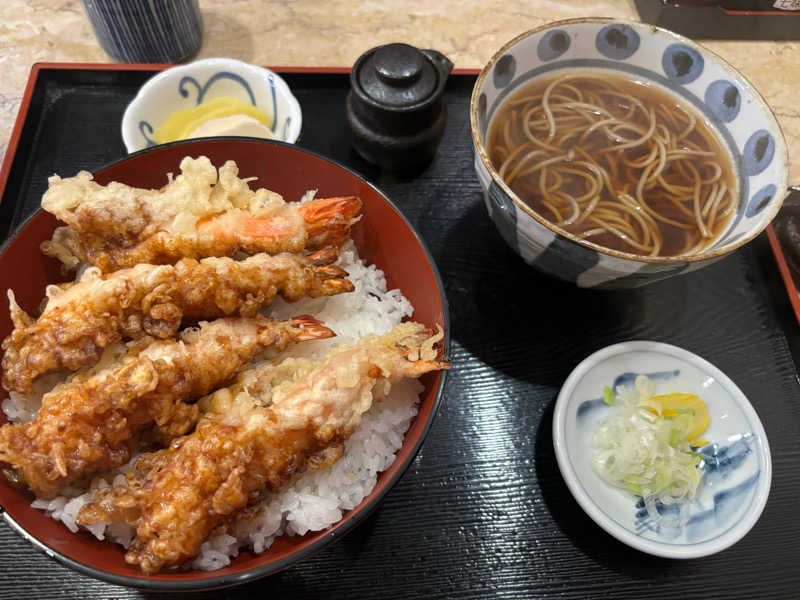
[188,85]
[738,472]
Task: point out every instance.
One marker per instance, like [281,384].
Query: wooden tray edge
[783,267]
[22,114]
[19,123]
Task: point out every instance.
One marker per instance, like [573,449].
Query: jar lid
[397,75]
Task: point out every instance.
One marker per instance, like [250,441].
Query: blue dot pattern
[724,100]
[760,200]
[617,42]
[504,70]
[682,64]
[758,152]
[553,44]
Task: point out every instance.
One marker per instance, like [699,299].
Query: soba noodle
[616,162]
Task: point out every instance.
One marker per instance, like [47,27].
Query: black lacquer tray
[483,512]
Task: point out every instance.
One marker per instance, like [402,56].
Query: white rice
[319,498]
[21,408]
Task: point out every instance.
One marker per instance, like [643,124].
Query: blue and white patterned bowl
[729,102]
[200,81]
[738,469]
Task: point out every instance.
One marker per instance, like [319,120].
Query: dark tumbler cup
[146,31]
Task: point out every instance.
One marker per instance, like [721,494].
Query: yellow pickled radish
[671,405]
[182,122]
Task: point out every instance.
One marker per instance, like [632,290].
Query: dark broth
[617,162]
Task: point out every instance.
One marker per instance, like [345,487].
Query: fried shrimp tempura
[94,423]
[175,498]
[82,319]
[200,213]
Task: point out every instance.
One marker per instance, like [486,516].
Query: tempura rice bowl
[321,506]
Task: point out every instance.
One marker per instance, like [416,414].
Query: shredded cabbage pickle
[646,447]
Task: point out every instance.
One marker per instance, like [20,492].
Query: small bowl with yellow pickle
[211,98]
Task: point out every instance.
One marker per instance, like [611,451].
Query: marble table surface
[336,32]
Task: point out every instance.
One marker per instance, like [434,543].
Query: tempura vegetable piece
[82,319]
[246,446]
[198,214]
[95,423]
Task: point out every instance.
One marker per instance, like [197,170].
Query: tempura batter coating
[95,423]
[179,496]
[200,213]
[81,320]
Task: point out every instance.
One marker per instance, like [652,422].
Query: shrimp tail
[331,280]
[324,257]
[425,354]
[306,327]
[328,220]
[299,329]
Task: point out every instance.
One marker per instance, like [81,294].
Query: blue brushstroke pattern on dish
[271,80]
[719,463]
[146,130]
[625,379]
[203,89]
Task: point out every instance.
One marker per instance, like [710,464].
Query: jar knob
[398,64]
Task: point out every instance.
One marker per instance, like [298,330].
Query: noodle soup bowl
[692,75]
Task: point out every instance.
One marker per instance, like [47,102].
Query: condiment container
[394,108]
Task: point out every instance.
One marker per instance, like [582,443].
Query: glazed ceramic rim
[741,79]
[232,64]
[587,503]
[351,518]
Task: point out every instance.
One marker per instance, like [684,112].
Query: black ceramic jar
[394,109]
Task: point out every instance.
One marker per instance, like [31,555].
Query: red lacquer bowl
[383,236]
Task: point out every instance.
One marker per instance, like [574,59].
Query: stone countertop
[336,32]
